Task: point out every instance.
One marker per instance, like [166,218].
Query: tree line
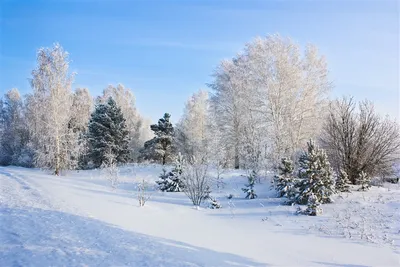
[264,105]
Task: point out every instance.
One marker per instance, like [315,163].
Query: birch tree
[226,105]
[50,108]
[270,97]
[193,127]
[82,107]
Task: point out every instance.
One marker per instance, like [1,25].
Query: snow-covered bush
[172,181]
[342,182]
[143,192]
[364,180]
[315,175]
[110,169]
[359,139]
[249,189]
[196,181]
[214,203]
[285,182]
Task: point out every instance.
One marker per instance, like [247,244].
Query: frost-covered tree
[270,99]
[342,182]
[226,104]
[249,187]
[81,110]
[218,151]
[192,129]
[315,174]
[49,109]
[143,194]
[161,148]
[285,181]
[137,128]
[107,133]
[364,180]
[172,181]
[15,136]
[109,168]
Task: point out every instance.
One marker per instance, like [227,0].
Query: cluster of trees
[57,128]
[264,104]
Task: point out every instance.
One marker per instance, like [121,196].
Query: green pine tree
[364,180]
[315,175]
[285,182]
[172,181]
[342,182]
[107,133]
[249,189]
[161,148]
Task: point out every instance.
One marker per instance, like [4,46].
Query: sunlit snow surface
[78,220]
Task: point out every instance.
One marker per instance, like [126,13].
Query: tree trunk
[237,157]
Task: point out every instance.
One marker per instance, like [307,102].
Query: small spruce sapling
[249,189]
[364,180]
[172,181]
[315,174]
[342,182]
[214,203]
[285,182]
[313,206]
[163,181]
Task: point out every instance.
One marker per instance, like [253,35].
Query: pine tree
[285,181]
[342,182]
[249,189]
[163,182]
[364,180]
[315,175]
[172,181]
[161,148]
[108,134]
[313,206]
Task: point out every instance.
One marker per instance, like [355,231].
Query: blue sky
[166,50]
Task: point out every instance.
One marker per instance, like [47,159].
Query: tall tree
[161,148]
[270,98]
[15,135]
[192,130]
[226,104]
[107,134]
[50,108]
[81,110]
[82,107]
[136,126]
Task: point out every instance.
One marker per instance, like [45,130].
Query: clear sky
[166,50]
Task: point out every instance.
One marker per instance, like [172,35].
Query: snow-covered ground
[78,220]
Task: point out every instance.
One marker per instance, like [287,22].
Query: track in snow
[34,231]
